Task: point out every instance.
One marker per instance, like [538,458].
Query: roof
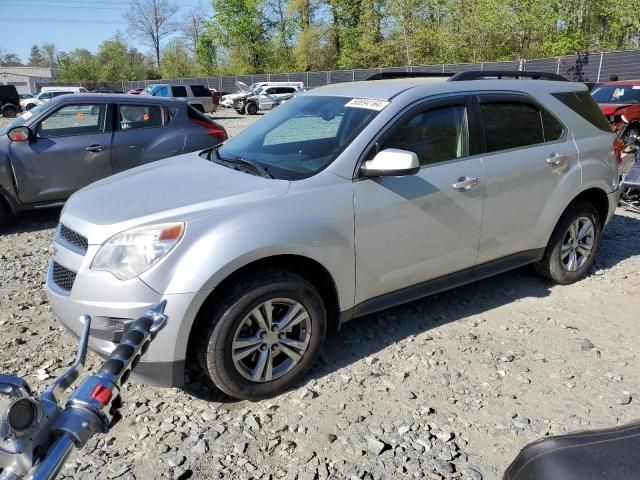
[117,97]
[387,89]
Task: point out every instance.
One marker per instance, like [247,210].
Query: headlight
[130,253]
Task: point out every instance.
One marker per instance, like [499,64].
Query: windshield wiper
[259,169]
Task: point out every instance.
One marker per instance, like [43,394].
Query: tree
[176,61]
[206,55]
[35,57]
[192,26]
[151,21]
[78,65]
[9,59]
[239,25]
[49,55]
[115,62]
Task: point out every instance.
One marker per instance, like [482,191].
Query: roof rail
[488,74]
[391,75]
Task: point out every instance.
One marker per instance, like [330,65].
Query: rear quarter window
[200,91]
[584,105]
[179,91]
[510,125]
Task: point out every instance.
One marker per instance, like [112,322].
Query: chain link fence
[589,67]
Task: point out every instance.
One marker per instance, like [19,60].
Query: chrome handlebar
[37,434]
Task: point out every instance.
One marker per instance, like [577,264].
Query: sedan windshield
[617,94]
[300,137]
[22,119]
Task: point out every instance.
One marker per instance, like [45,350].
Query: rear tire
[573,245]
[276,356]
[9,112]
[30,106]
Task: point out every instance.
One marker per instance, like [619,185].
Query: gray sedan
[60,146]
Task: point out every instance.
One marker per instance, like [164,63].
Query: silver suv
[347,200]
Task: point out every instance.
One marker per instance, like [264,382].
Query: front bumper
[112,305]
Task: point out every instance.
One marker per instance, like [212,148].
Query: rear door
[142,135]
[72,150]
[531,164]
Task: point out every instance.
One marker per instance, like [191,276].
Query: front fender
[316,223]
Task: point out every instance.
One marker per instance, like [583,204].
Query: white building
[26,78]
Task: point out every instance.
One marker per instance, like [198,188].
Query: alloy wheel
[577,244]
[271,340]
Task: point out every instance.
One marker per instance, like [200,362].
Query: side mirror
[391,162]
[20,134]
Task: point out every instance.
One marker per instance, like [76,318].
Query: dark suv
[9,101]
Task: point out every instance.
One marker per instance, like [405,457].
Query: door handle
[95,148]
[465,183]
[556,159]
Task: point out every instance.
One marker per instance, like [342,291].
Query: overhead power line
[67,20]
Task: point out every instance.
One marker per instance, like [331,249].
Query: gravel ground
[448,387]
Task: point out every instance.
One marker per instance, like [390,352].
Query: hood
[176,189]
[616,108]
[243,87]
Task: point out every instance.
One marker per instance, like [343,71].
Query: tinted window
[551,127]
[45,96]
[511,125]
[435,135]
[74,120]
[179,91]
[584,105]
[200,91]
[285,90]
[140,116]
[57,94]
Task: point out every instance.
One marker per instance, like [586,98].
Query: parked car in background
[197,96]
[234,100]
[135,91]
[42,97]
[24,96]
[267,98]
[353,198]
[61,146]
[9,101]
[620,103]
[58,88]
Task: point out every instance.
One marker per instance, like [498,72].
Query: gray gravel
[449,387]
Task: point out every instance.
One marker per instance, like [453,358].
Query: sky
[67,23]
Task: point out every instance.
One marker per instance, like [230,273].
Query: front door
[72,149]
[420,227]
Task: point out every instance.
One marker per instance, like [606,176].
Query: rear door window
[179,91]
[132,117]
[510,125]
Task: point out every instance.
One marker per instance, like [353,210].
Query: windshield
[617,94]
[22,119]
[300,137]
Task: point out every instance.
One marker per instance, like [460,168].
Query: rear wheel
[9,112]
[265,335]
[30,106]
[572,248]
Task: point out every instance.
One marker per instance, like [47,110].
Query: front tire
[264,336]
[252,108]
[573,245]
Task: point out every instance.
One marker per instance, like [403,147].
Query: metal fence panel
[298,77]
[626,65]
[341,76]
[363,74]
[317,79]
[547,65]
[427,68]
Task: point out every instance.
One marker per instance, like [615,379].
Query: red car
[135,91]
[620,103]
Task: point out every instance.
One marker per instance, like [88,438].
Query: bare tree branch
[152,21]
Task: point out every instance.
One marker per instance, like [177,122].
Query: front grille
[73,238]
[63,277]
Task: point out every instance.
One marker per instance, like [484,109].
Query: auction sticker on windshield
[369,103]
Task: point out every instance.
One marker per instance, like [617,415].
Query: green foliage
[176,61]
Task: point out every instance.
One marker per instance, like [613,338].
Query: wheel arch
[306,267]
[596,197]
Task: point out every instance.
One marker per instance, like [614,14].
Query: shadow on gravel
[33,221]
